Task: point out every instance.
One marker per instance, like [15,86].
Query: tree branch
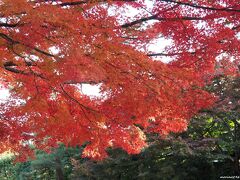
[163,54]
[84,2]
[202,7]
[83,82]
[9,25]
[12,41]
[9,66]
[236,27]
[7,38]
[73,3]
[155,17]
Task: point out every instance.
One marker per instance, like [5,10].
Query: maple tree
[50,48]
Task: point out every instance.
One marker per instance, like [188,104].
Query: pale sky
[4,94]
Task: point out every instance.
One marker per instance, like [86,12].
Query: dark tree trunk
[237,151]
[59,171]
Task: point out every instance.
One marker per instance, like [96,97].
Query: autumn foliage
[49,49]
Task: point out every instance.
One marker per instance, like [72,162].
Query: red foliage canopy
[50,48]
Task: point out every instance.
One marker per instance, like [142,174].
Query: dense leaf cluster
[50,49]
